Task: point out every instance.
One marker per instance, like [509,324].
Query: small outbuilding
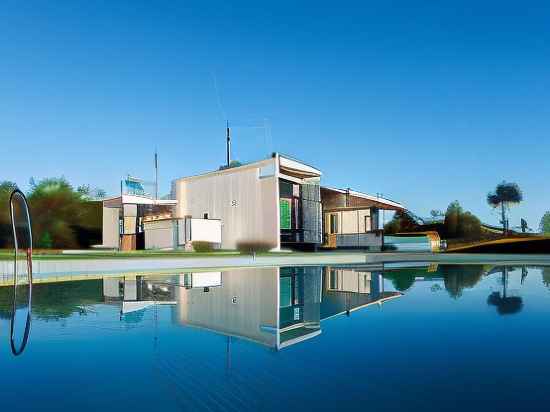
[351,219]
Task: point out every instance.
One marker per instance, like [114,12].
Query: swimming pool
[377,337]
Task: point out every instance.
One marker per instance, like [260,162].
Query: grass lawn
[46,254]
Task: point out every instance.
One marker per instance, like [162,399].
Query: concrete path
[50,267]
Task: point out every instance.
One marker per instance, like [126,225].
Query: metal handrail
[19,350]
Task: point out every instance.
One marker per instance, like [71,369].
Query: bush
[202,247]
[544,226]
[470,226]
[252,246]
[45,241]
[401,222]
[461,224]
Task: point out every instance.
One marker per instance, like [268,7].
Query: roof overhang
[137,200]
[296,168]
[380,201]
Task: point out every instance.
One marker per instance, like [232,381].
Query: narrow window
[285,213]
[334,223]
[368,225]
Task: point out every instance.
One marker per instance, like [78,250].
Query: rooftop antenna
[228,145]
[156,175]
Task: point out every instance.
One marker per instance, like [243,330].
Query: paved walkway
[50,267]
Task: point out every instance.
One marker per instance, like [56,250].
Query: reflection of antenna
[228,145]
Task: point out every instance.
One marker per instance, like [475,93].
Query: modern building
[269,203]
[124,218]
[136,220]
[352,219]
[265,205]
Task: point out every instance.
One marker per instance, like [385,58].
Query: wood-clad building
[351,219]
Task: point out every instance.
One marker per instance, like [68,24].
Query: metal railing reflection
[22,270]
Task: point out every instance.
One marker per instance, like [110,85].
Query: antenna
[156,175]
[228,145]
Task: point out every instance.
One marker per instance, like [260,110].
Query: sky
[425,102]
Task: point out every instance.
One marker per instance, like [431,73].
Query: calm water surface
[422,337]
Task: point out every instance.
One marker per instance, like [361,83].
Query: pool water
[382,338]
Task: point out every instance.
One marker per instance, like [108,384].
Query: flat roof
[285,161]
[137,200]
[361,195]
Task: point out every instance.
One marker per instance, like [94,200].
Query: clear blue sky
[426,102]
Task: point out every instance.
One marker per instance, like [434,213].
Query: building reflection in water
[134,293]
[275,307]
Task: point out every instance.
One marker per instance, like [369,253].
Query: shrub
[544,226]
[45,241]
[254,246]
[401,222]
[202,246]
[461,224]
[470,226]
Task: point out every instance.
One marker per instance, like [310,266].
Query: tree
[6,187]
[544,226]
[452,219]
[61,216]
[88,193]
[470,226]
[436,214]
[461,224]
[232,164]
[100,193]
[401,222]
[505,195]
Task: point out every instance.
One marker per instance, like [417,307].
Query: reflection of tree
[56,300]
[402,279]
[505,304]
[458,278]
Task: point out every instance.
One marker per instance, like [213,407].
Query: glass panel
[368,225]
[334,223]
[285,292]
[285,211]
[267,171]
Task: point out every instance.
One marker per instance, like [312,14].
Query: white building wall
[247,205]
[159,234]
[110,227]
[206,230]
[349,221]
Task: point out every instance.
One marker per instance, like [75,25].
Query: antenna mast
[228,145]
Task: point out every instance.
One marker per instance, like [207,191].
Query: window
[333,223]
[286,189]
[368,224]
[333,281]
[267,171]
[285,213]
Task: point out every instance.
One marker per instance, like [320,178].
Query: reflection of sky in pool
[421,338]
